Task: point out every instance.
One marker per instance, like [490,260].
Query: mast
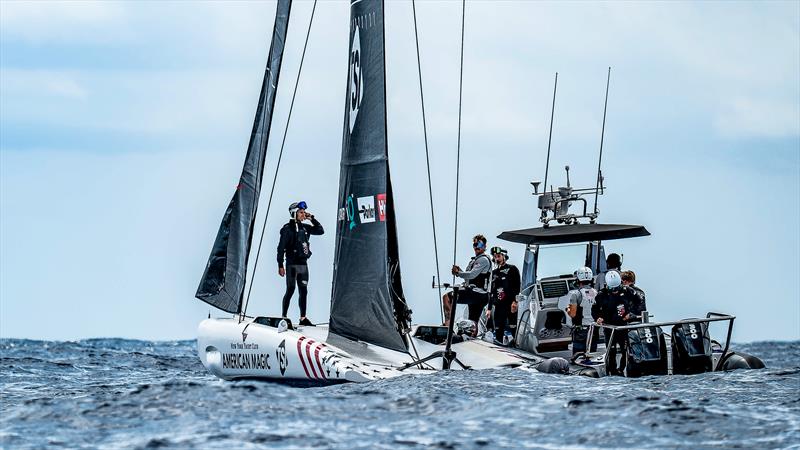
[367,300]
[225,275]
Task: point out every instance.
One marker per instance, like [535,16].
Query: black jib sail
[367,293]
[224,278]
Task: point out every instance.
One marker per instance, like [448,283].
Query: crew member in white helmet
[613,307]
[295,247]
[581,300]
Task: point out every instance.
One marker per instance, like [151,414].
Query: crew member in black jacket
[505,287]
[294,244]
[613,306]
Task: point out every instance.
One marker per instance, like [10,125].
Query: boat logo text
[280,353]
[356,77]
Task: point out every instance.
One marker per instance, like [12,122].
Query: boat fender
[554,365]
[589,372]
[742,361]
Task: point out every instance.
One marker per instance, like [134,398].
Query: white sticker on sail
[356,79]
[366,209]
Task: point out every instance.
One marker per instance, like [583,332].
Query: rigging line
[428,162]
[280,155]
[458,146]
[602,134]
[550,136]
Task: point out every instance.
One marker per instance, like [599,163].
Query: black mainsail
[224,279]
[367,299]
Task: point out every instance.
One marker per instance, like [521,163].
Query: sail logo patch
[381,207]
[351,212]
[366,209]
[356,87]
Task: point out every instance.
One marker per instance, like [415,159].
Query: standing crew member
[639,304]
[581,302]
[295,245]
[474,292]
[613,307]
[505,287]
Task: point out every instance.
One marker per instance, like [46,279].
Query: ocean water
[113,393]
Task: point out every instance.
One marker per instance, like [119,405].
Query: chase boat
[544,329]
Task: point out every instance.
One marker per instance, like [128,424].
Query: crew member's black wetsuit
[612,305]
[294,244]
[505,284]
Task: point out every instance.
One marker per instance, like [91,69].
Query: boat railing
[710,317]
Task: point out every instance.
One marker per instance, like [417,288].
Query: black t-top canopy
[568,234]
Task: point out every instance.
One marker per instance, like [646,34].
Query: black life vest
[299,247]
[482,280]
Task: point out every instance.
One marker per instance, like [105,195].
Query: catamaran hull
[230,349]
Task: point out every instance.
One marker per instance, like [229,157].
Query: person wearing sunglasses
[295,247]
[505,287]
[474,291]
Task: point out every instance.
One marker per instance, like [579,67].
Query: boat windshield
[560,259]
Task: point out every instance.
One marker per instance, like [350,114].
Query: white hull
[231,349]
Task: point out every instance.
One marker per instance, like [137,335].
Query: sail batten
[366,298]
[225,274]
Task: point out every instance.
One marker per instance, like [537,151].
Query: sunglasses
[478,244]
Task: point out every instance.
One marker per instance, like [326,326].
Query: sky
[124,125]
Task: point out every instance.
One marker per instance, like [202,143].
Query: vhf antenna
[550,137]
[602,134]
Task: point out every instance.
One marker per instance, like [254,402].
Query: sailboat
[369,335]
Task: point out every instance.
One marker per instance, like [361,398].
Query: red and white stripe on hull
[308,350]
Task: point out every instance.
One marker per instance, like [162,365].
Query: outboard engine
[691,348]
[646,353]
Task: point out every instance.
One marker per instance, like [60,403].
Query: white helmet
[613,280]
[584,274]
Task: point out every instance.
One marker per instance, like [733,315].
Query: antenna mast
[550,136]
[602,135]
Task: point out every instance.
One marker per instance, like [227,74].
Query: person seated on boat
[474,291]
[295,246]
[581,302]
[613,262]
[639,304]
[613,307]
[505,287]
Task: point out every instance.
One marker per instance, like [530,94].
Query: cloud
[28,83]
[759,117]
[53,21]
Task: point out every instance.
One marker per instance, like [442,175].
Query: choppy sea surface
[115,393]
